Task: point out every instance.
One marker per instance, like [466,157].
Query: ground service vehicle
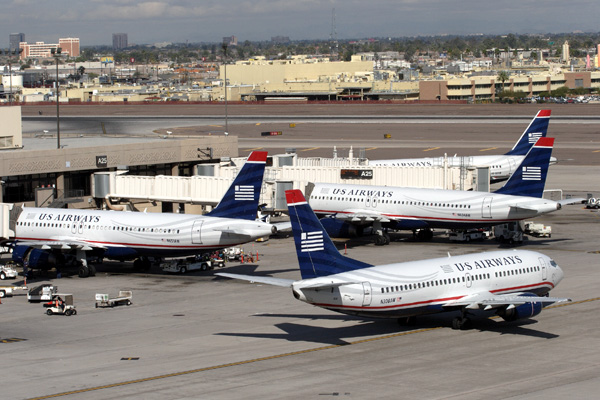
[43,292]
[7,271]
[61,304]
[124,297]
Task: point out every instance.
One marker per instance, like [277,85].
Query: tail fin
[538,127]
[241,199]
[530,178]
[317,255]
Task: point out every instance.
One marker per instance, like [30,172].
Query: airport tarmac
[201,336]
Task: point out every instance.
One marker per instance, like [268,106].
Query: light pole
[10,53]
[56,54]
[225,86]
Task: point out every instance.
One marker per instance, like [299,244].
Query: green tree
[503,76]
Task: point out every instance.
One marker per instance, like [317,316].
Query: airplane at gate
[402,208]
[511,283]
[44,236]
[501,166]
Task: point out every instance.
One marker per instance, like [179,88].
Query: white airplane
[501,166]
[401,208]
[511,283]
[43,236]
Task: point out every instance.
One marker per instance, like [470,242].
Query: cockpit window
[553,263]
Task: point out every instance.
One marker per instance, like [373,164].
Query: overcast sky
[152,21]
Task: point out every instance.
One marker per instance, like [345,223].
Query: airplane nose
[558,275]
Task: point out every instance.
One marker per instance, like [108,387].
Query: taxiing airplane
[45,237]
[402,208]
[501,166]
[511,283]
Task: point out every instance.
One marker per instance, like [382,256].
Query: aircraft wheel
[461,323]
[92,269]
[379,240]
[49,312]
[84,271]
[386,238]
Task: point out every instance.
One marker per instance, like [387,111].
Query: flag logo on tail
[532,173]
[311,241]
[244,192]
[534,136]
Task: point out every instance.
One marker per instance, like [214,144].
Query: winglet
[530,178]
[241,199]
[317,255]
[537,128]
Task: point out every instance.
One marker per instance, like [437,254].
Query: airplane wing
[361,216]
[62,244]
[282,226]
[487,300]
[261,279]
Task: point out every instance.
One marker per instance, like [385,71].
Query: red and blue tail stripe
[241,199]
[317,254]
[537,128]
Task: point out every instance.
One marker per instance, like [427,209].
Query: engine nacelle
[34,258]
[522,311]
[340,229]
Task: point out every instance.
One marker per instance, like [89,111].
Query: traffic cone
[257,255]
[345,248]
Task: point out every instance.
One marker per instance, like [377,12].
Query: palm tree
[502,77]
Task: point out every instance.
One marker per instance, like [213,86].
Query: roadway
[200,336]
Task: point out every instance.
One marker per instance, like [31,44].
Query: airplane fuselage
[128,235]
[414,208]
[501,166]
[430,286]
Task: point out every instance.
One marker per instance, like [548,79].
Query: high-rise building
[565,57]
[15,39]
[230,40]
[119,40]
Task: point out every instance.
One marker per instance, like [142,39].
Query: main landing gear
[84,270]
[381,238]
[461,323]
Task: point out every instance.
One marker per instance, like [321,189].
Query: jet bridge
[7,220]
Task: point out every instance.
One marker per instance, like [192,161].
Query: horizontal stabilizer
[260,279]
[329,285]
[573,200]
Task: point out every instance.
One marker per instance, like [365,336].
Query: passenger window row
[403,202]
[100,227]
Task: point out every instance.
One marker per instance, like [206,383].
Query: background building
[119,41]
[15,39]
[69,46]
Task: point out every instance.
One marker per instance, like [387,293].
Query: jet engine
[522,311]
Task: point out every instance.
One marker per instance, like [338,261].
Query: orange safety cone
[256,255]
[345,248]
[242,258]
